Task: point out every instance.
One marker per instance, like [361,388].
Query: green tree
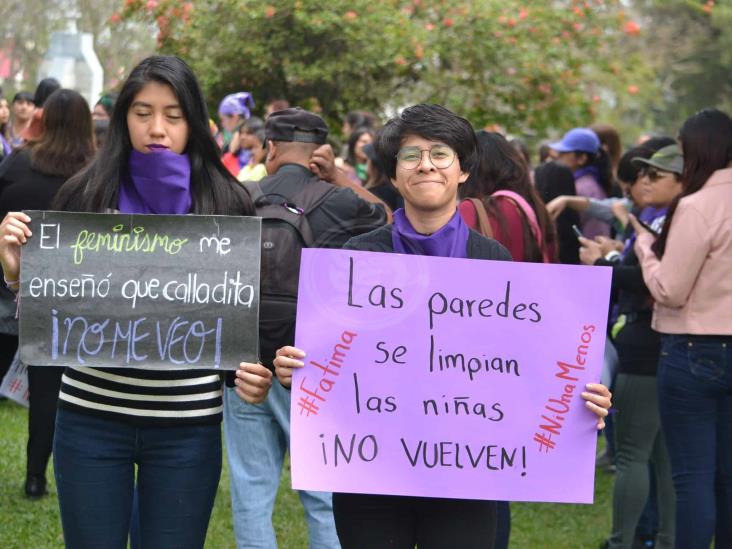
[688,46]
[527,66]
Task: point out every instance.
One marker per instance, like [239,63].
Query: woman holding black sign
[427,152]
[29,179]
[159,158]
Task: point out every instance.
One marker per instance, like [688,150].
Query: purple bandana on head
[451,240]
[157,183]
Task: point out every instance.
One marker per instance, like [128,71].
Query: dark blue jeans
[177,476]
[695,400]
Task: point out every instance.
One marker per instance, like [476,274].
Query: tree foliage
[26,27]
[688,46]
[527,66]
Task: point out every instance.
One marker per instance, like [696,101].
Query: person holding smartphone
[638,435]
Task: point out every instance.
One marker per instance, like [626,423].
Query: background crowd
[657,212]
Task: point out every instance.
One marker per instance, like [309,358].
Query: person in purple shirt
[428,152]
[581,152]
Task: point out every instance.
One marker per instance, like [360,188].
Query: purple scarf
[653,217]
[587,170]
[450,240]
[157,183]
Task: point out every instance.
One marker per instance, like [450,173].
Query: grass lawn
[28,524]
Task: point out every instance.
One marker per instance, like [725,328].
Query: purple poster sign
[441,377]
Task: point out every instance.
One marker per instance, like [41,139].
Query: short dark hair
[23,96]
[44,90]
[433,122]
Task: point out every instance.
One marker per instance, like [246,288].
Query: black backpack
[285,232]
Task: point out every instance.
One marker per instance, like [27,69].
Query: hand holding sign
[287,360]
[152,291]
[442,377]
[14,232]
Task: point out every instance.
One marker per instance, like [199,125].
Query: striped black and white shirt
[144,397]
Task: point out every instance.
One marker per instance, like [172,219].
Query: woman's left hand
[598,400]
[253,382]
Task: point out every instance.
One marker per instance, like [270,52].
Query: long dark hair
[500,166]
[601,161]
[706,140]
[67,142]
[353,139]
[213,188]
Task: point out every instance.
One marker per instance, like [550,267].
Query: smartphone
[648,228]
[576,230]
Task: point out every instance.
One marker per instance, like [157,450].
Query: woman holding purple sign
[427,152]
[159,158]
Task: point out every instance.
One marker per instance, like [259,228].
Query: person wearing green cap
[638,436]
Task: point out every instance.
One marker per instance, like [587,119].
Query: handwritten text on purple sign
[446,377]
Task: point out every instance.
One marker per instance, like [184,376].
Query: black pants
[396,522]
[8,346]
[44,383]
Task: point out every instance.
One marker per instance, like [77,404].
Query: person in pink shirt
[688,270]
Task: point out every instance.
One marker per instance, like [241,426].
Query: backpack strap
[295,211]
[254,190]
[484,225]
[313,194]
[528,211]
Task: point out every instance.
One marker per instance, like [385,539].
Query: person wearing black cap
[298,160]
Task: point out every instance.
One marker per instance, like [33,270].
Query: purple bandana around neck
[587,170]
[451,240]
[654,217]
[157,183]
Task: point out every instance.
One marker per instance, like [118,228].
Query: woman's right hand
[14,232]
[286,360]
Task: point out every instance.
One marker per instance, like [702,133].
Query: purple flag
[444,377]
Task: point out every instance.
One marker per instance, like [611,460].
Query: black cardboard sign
[140,291]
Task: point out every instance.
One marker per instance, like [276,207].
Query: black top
[389,194]
[342,215]
[553,180]
[638,345]
[23,187]
[479,247]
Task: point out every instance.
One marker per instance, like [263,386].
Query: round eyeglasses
[441,157]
